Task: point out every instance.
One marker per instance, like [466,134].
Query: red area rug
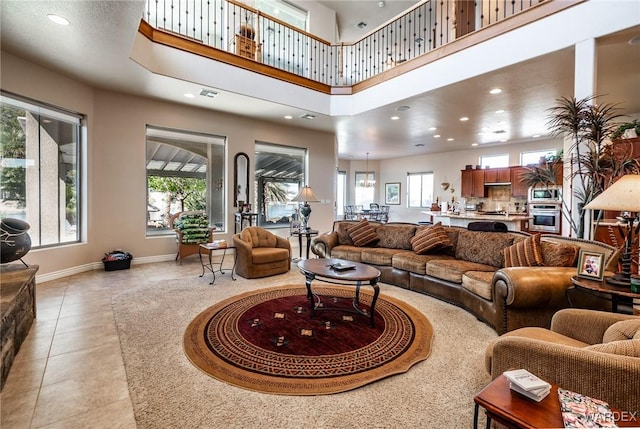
[267,342]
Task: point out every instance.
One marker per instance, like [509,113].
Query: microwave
[545,194]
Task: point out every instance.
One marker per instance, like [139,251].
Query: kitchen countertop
[479,216]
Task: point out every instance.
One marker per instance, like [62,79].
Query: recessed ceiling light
[432,128]
[503,140]
[495,91]
[288,117]
[535,136]
[402,108]
[450,139]
[635,41]
[498,112]
[474,144]
[464,119]
[395,118]
[189,95]
[436,136]
[58,19]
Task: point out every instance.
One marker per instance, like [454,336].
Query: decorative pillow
[525,253]
[624,348]
[430,239]
[362,234]
[623,330]
[483,247]
[559,254]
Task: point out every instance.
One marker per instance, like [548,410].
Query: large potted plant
[596,163]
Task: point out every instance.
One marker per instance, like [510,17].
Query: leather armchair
[591,352]
[261,253]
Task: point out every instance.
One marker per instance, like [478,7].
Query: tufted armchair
[191,228]
[261,253]
[591,352]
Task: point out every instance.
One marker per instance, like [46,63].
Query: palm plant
[595,162]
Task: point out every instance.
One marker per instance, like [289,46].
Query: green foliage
[12,146]
[633,125]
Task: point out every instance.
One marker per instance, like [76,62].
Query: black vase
[14,240]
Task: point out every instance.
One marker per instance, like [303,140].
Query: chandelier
[366,183]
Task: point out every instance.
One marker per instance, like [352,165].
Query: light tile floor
[66,376]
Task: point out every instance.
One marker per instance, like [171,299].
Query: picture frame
[591,265]
[392,193]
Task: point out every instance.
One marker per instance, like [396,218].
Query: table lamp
[623,196]
[305,196]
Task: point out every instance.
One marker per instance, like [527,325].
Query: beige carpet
[169,392]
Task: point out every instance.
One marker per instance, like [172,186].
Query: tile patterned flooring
[64,375]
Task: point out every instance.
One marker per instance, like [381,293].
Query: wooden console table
[17,310]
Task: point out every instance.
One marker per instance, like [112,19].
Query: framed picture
[591,265]
[392,193]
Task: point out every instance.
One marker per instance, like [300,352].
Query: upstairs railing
[247,32]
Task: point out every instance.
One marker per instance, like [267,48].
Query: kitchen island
[514,222]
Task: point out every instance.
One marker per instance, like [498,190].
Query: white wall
[115,191]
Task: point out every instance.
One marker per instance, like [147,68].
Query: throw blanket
[487,226]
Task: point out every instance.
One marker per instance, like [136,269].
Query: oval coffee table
[331,271]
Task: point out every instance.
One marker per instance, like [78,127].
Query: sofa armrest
[532,286]
[571,322]
[610,377]
[322,244]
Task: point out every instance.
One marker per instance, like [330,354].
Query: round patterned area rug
[266,340]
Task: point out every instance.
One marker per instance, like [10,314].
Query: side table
[607,291]
[209,248]
[517,411]
[308,233]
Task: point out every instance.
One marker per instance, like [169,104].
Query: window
[40,171]
[185,171]
[341,193]
[533,157]
[284,11]
[279,176]
[365,188]
[494,161]
[420,186]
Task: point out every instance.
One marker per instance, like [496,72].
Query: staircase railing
[247,32]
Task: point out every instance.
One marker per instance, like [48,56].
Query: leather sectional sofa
[470,271]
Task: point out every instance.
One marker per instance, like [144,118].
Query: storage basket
[117,260]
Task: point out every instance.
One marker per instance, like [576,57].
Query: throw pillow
[430,239]
[525,253]
[559,254]
[362,234]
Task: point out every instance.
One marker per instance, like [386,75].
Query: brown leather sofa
[591,352]
[471,274]
[261,253]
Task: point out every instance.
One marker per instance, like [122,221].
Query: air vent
[361,24]
[208,93]
[307,116]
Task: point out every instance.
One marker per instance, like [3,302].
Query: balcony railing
[249,33]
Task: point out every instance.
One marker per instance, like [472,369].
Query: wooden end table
[517,411]
[321,269]
[604,289]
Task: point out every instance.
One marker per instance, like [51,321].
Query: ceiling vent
[361,24]
[208,93]
[307,116]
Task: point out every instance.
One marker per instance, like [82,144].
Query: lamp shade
[623,195]
[306,195]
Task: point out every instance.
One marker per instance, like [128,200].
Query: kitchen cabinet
[472,183]
[518,189]
[497,175]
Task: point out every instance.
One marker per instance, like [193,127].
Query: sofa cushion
[268,255]
[479,283]
[430,239]
[524,253]
[623,330]
[453,269]
[559,254]
[378,255]
[348,252]
[395,236]
[483,247]
[414,263]
[362,234]
[623,347]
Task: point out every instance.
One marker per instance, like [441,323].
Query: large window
[420,186]
[365,188]
[494,161]
[280,172]
[185,171]
[341,193]
[533,157]
[39,170]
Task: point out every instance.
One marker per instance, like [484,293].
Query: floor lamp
[305,196]
[623,196]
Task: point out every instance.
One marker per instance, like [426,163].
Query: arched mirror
[241,179]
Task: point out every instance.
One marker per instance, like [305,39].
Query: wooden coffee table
[322,269]
[516,411]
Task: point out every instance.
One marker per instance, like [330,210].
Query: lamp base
[618,280]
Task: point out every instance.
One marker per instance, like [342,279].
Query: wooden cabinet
[472,183]
[245,47]
[518,189]
[497,175]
